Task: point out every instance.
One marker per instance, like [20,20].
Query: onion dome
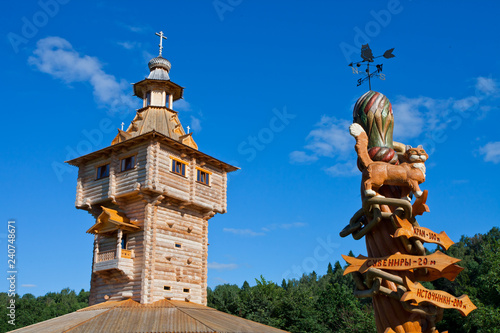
[159,68]
[159,62]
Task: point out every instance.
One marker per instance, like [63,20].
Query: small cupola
[158,94]
[157,90]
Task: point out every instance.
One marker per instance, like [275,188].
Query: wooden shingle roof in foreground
[163,316]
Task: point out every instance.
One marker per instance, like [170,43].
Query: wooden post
[96,247]
[119,244]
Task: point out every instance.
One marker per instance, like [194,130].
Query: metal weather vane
[367,55]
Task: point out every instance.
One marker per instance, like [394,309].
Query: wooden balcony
[109,267]
[110,255]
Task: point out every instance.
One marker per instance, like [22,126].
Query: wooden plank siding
[169,208]
[94,190]
[134,209]
[178,268]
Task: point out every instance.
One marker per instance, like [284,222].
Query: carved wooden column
[119,244]
[387,220]
[96,248]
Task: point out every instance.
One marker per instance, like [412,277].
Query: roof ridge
[139,130]
[167,121]
[91,318]
[109,304]
[196,319]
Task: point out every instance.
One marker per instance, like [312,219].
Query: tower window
[102,171]
[128,163]
[178,167]
[166,288]
[148,98]
[177,245]
[167,100]
[186,290]
[202,176]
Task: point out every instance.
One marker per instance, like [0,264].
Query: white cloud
[486,85]
[302,157]
[221,280]
[285,226]
[221,267]
[243,232]
[292,225]
[147,56]
[56,56]
[343,170]
[130,45]
[195,124]
[491,152]
[465,103]
[182,105]
[266,229]
[409,120]
[414,117]
[419,118]
[330,138]
[135,28]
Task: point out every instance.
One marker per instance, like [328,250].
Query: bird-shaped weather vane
[367,55]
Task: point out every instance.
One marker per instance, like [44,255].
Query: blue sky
[267,89]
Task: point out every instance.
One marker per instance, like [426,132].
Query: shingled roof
[164,316]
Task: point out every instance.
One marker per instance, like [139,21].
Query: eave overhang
[176,90]
[149,136]
[111,220]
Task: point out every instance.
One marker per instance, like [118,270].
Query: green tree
[480,280]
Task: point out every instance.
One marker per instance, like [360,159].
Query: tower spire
[160,34]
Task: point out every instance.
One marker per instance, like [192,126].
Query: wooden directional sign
[390,330]
[449,273]
[416,292]
[406,229]
[399,262]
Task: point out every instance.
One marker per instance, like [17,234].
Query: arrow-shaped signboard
[416,292]
[399,262]
[406,229]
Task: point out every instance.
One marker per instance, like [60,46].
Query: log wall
[169,208]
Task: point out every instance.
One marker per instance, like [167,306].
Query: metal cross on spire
[161,40]
[367,55]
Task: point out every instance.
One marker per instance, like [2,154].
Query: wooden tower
[152,193]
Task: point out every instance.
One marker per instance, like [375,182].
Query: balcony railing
[110,255]
[127,254]
[106,255]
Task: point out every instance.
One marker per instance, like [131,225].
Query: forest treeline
[319,303]
[326,303]
[31,309]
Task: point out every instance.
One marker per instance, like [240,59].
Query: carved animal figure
[376,174]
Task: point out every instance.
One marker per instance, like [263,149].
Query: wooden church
[151,193]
